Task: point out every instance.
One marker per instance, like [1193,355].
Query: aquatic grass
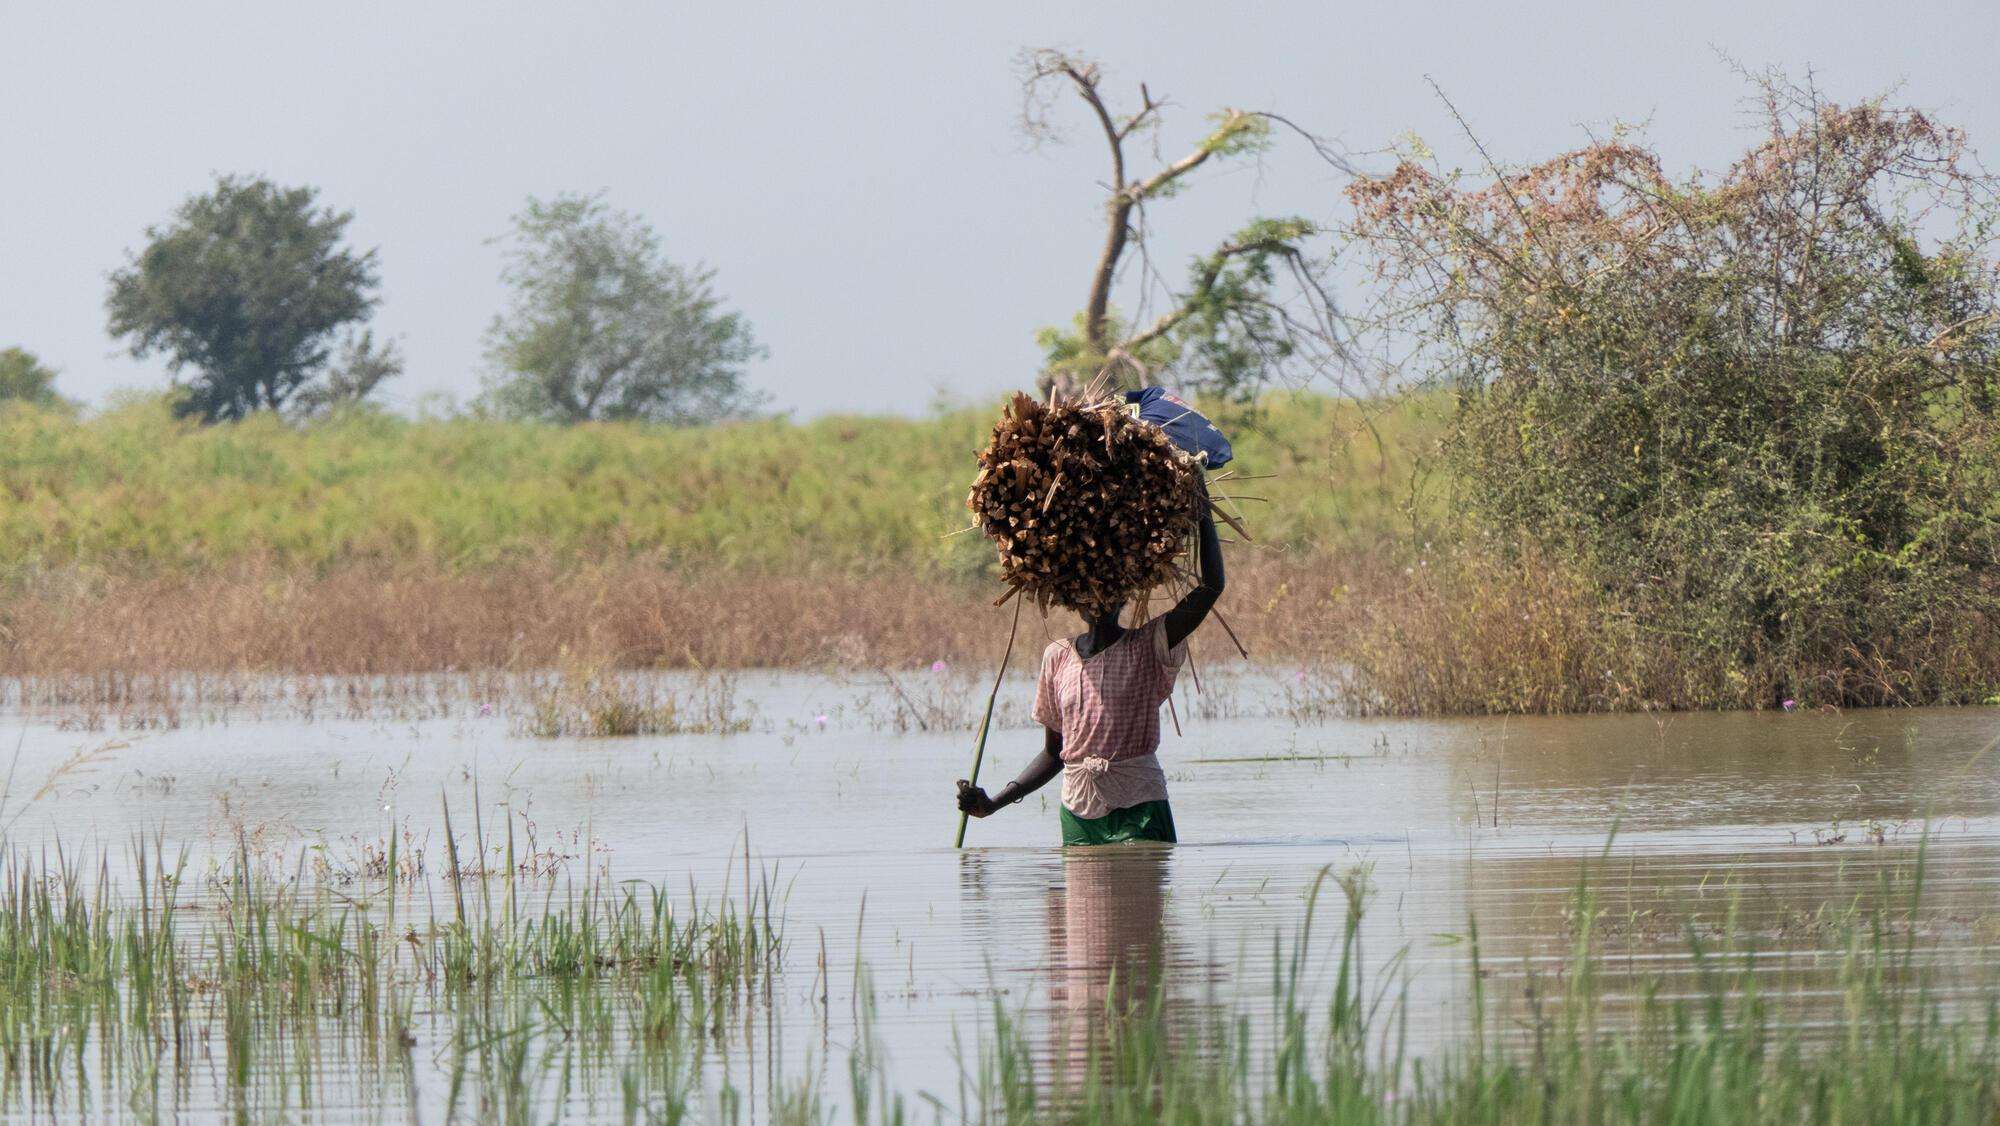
[279,967]
[1397,628]
[122,648]
[1728,1051]
[599,929]
[593,702]
[587,995]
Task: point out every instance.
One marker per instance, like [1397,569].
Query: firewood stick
[1233,523]
[1224,623]
[986,721]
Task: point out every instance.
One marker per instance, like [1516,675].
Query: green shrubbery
[135,488]
[1760,411]
[24,379]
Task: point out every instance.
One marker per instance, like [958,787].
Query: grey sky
[853,171]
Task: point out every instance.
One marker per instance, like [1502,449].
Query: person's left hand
[973,800]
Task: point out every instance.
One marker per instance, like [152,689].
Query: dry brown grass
[1372,631]
[1462,632]
[366,621]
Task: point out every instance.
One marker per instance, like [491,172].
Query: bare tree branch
[1096,352]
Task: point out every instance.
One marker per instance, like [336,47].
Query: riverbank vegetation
[141,544]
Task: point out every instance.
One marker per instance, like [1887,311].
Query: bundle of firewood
[1088,506]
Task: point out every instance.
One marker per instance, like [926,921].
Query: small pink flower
[939,666]
[486,709]
[1300,676]
[1790,704]
[820,720]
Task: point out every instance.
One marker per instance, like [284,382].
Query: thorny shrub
[1756,409]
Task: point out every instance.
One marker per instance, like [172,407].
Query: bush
[24,379]
[1756,409]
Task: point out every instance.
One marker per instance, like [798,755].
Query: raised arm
[1194,608]
[1046,765]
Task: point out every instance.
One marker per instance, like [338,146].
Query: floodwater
[1760,827]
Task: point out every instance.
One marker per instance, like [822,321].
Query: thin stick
[1230,520]
[1224,623]
[986,721]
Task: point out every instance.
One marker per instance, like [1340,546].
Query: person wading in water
[1099,697]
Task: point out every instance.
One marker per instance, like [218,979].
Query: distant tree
[24,379]
[248,288]
[363,366]
[603,326]
[1250,308]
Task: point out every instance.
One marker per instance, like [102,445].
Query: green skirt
[1147,821]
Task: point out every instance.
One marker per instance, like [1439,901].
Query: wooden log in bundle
[1088,506]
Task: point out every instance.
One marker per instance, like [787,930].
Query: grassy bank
[137,491]
[134,544]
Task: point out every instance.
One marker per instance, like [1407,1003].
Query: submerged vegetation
[1721,1050]
[507,990]
[126,985]
[594,702]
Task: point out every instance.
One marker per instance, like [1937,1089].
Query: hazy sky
[853,171]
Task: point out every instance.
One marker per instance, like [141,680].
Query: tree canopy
[24,379]
[245,292]
[604,326]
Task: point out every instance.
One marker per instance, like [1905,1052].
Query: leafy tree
[603,326]
[23,379]
[363,366]
[248,289]
[1250,309]
[1761,409]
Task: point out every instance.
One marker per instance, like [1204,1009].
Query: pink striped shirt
[1107,707]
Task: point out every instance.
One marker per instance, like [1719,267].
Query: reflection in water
[1661,921]
[1108,943]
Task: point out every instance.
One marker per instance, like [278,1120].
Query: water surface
[1747,828]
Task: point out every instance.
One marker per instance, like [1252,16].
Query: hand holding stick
[985,722]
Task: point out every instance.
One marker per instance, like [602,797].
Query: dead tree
[1228,327]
